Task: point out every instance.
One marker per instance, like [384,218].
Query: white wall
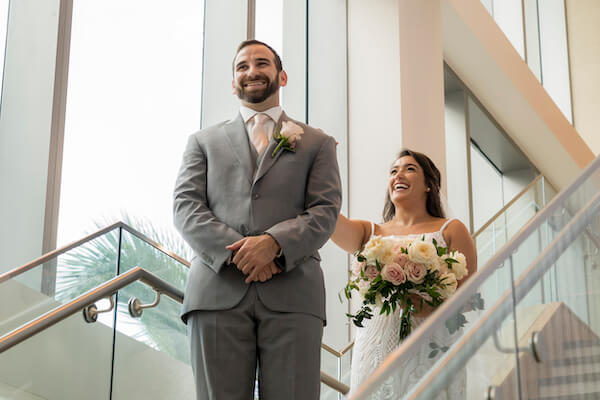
[25,122]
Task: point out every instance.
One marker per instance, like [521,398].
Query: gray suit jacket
[219,199]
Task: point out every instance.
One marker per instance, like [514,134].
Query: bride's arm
[351,234]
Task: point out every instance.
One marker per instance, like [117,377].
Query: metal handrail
[335,352]
[107,289]
[54,253]
[450,307]
[104,290]
[487,325]
[508,205]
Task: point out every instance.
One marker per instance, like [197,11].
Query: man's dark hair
[250,42]
[433,180]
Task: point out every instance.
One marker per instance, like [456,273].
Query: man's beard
[258,96]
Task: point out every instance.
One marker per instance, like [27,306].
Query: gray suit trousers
[227,345]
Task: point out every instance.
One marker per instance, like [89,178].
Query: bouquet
[391,272]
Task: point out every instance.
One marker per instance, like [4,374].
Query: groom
[255,214]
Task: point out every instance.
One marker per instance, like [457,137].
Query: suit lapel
[266,161]
[235,131]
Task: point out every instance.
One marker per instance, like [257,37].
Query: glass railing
[121,350]
[335,363]
[538,337]
[74,360]
[503,226]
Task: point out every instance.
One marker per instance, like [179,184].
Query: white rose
[459,268]
[450,285]
[372,249]
[423,252]
[439,265]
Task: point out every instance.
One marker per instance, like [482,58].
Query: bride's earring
[427,190]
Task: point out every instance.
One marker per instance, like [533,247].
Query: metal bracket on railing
[136,308]
[493,393]
[536,345]
[90,313]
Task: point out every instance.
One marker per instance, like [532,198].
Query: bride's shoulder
[454,228]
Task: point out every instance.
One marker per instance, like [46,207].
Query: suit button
[256,196]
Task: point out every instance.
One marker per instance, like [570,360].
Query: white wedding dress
[379,337]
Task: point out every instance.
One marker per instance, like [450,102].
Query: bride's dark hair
[433,180]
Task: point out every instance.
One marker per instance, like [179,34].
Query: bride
[412,210]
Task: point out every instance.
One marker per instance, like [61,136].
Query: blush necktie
[259,132]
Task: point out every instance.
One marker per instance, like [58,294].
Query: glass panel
[471,373]
[561,306]
[152,349]
[159,327]
[491,238]
[336,367]
[58,281]
[69,361]
[566,320]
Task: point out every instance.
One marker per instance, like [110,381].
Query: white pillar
[422,79]
[25,128]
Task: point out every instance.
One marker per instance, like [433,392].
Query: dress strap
[446,224]
[372,229]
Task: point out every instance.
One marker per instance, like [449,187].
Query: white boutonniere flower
[287,136]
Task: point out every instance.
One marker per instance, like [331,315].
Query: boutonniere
[287,136]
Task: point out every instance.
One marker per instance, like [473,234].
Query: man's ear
[233,87]
[283,78]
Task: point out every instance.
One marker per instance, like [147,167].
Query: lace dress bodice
[379,337]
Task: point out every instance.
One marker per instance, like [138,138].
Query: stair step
[573,344]
[571,369]
[577,360]
[577,378]
[571,385]
[584,396]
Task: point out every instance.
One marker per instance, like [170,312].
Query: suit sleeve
[304,235]
[193,218]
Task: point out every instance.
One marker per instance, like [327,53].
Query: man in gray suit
[255,198]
